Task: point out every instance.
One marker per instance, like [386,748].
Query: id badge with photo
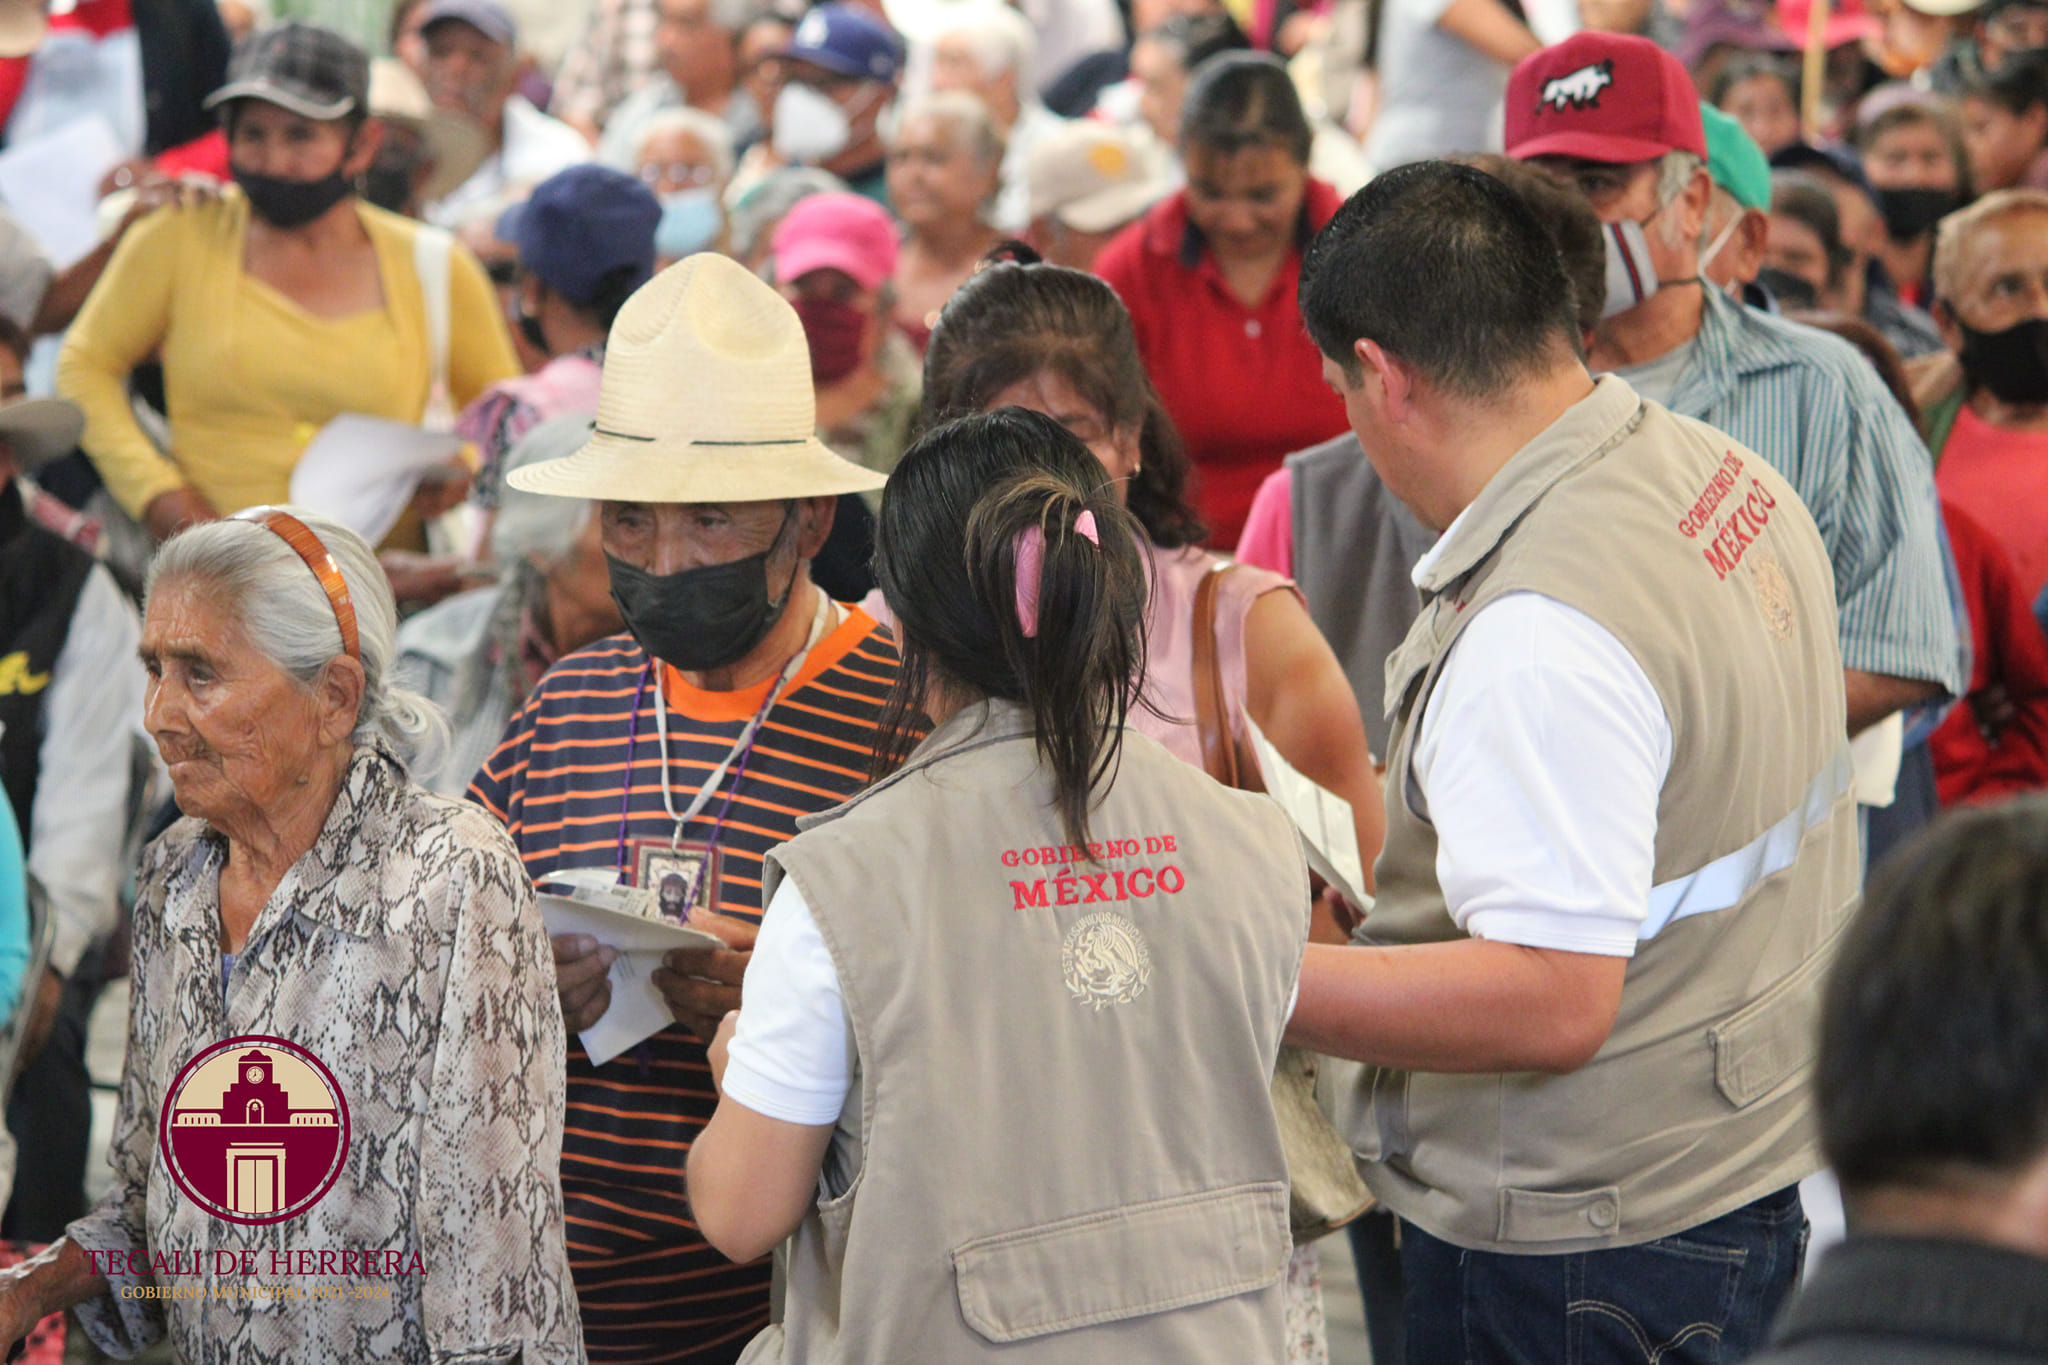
[682,876]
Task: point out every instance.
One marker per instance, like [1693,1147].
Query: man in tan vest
[1621,839]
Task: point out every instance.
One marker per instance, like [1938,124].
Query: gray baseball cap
[312,71]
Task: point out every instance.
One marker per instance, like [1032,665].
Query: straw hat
[706,398]
[455,143]
[41,430]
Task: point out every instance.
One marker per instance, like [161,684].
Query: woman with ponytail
[1003,1059]
[1059,342]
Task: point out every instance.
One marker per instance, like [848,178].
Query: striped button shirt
[1809,403]
[650,1288]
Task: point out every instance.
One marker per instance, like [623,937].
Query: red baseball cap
[1603,97]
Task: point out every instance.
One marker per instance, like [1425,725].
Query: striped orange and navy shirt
[564,783]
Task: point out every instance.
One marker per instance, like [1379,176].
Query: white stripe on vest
[1726,880]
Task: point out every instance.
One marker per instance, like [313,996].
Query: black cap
[1830,160]
[312,71]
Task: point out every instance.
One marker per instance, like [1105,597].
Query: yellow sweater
[250,376]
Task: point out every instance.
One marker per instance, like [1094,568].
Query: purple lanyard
[717,821]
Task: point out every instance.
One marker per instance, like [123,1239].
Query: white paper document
[1323,817]
[362,471]
[52,185]
[621,918]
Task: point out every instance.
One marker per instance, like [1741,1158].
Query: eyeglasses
[677,173]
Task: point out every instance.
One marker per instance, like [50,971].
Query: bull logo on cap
[1578,89]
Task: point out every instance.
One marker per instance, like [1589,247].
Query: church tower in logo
[255,1134]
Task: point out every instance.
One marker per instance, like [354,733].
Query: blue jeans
[1705,1296]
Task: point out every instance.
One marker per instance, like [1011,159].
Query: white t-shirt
[536,146]
[1539,756]
[1439,95]
[791,1056]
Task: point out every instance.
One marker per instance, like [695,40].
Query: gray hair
[999,37]
[967,115]
[730,16]
[540,526]
[752,216]
[1675,171]
[707,128]
[279,602]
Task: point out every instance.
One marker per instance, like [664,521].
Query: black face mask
[529,327]
[291,203]
[389,182]
[1912,213]
[701,619]
[1788,289]
[2012,364]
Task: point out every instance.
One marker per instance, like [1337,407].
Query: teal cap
[1735,161]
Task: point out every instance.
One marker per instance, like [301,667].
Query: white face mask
[808,127]
[1631,277]
[1720,241]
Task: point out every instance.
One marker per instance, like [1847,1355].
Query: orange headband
[319,559]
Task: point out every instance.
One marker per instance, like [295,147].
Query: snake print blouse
[406,953]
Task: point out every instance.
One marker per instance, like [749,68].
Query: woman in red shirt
[1209,276]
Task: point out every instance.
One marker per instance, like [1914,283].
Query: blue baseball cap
[582,224]
[485,16]
[848,40]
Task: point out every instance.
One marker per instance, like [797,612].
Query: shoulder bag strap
[431,249]
[1212,719]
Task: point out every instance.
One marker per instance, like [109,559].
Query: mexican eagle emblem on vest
[1105,961]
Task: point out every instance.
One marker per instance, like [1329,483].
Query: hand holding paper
[612,917]
[1323,817]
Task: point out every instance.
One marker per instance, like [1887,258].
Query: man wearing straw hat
[741,698]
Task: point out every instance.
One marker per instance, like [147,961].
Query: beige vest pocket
[1124,1262]
[1760,1046]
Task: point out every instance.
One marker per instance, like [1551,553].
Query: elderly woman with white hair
[985,48]
[685,156]
[478,654]
[341,984]
[945,162]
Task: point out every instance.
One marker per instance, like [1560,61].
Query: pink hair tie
[1031,566]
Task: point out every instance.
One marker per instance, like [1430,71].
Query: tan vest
[1059,1145]
[1707,568]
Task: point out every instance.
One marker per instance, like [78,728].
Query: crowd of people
[823,474]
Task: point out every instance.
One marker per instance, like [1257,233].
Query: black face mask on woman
[2012,364]
[291,203]
[704,618]
[1910,214]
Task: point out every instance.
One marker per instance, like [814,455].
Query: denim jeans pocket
[1668,1302]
